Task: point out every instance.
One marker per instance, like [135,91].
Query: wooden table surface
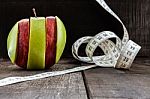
[96,83]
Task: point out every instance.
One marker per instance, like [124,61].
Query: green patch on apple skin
[37,43]
[12,43]
[61,38]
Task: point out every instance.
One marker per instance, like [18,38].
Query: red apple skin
[51,39]
[23,43]
[54,39]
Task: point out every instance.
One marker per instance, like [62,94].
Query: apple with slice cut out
[36,43]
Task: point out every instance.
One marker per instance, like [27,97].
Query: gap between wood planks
[106,83]
[96,83]
[88,92]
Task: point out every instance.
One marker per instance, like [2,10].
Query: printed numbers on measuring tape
[118,55]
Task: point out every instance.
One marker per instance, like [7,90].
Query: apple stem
[34,12]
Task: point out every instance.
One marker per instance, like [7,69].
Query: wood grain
[136,16]
[68,86]
[96,83]
[81,17]
[109,83]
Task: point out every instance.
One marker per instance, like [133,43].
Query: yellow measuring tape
[118,55]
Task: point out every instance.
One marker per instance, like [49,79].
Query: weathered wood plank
[136,16]
[81,18]
[109,83]
[68,86]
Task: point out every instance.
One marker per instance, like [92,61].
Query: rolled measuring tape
[118,55]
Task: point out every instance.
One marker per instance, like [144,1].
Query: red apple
[37,43]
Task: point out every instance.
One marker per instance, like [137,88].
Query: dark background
[81,18]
